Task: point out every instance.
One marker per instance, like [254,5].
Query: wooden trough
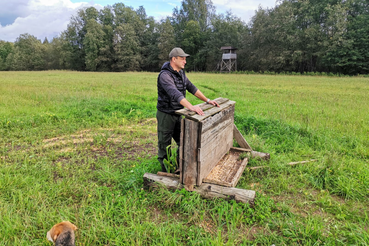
[206,156]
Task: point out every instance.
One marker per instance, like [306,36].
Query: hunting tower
[229,59]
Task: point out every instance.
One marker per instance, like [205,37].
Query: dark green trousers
[169,126]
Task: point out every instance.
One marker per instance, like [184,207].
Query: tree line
[294,36]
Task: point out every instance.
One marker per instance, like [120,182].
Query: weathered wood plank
[229,193]
[211,122]
[211,111]
[199,137]
[240,139]
[209,136]
[241,149]
[168,174]
[181,151]
[228,170]
[255,154]
[199,165]
[213,152]
[208,191]
[190,154]
[152,180]
[203,106]
[238,174]
[221,141]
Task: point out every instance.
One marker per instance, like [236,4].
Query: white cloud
[40,18]
[243,9]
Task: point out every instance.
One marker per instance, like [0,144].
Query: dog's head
[58,229]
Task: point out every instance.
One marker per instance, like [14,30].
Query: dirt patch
[124,143]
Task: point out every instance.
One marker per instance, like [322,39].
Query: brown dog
[62,234]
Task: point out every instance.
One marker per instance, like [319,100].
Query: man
[172,86]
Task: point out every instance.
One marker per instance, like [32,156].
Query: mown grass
[74,146]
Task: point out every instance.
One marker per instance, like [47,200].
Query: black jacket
[172,86]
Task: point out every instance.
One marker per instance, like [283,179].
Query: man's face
[179,62]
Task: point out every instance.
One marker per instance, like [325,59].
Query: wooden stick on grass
[290,164]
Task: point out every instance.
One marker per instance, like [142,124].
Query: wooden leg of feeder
[205,190]
[240,139]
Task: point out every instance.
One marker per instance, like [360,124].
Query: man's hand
[196,109]
[212,102]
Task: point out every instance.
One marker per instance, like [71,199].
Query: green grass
[74,146]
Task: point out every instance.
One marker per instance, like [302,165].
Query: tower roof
[228,48]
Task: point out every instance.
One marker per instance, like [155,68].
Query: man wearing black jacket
[172,87]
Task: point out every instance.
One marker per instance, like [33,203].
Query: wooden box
[205,140]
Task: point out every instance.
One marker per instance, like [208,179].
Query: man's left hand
[212,102]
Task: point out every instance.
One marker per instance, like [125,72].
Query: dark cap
[177,52]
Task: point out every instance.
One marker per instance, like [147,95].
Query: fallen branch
[300,162]
[290,164]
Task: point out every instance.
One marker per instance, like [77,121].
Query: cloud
[243,9]
[40,18]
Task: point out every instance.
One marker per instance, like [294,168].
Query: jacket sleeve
[191,87]
[167,83]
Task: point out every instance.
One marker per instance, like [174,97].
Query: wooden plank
[240,139]
[181,151]
[211,122]
[168,174]
[211,111]
[199,165]
[152,180]
[238,174]
[208,191]
[199,137]
[209,136]
[241,149]
[190,154]
[216,191]
[216,142]
[254,154]
[228,170]
[213,152]
[203,106]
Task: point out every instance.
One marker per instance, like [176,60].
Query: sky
[48,18]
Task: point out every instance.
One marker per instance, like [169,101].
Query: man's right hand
[197,109]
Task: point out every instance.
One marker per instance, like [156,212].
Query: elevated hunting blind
[229,59]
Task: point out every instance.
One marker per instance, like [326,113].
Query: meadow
[75,145]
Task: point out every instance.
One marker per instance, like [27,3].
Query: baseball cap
[177,52]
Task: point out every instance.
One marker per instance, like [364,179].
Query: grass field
[75,145]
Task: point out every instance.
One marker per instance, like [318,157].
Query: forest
[295,36]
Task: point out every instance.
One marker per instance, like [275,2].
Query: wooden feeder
[206,156]
[229,59]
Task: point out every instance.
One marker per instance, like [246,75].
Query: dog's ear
[57,232]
